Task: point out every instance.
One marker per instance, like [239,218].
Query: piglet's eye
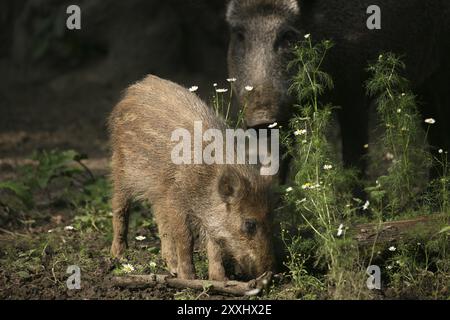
[249,226]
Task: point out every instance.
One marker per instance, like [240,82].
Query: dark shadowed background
[57,86]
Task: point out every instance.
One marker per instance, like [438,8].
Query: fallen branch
[237,288]
[384,232]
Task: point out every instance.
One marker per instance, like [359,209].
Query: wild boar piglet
[229,203]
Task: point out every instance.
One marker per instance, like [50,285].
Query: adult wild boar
[263,30]
[229,203]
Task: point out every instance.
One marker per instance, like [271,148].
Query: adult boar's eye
[249,226]
[286,39]
[239,34]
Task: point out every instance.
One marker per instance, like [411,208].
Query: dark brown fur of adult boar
[230,202]
[262,32]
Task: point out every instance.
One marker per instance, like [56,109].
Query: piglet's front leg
[216,270]
[184,245]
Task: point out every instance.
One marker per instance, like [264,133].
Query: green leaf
[20,190]
[445,230]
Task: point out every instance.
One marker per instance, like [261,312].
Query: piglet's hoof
[259,284]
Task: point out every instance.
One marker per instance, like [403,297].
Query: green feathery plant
[441,185]
[438,196]
[409,161]
[319,190]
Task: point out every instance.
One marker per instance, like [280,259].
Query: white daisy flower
[214,84]
[441,151]
[392,248]
[273,125]
[366,146]
[127,268]
[50,231]
[193,88]
[340,230]
[248,88]
[306,186]
[366,205]
[430,121]
[389,267]
[399,110]
[221,90]
[69,228]
[231,79]
[327,167]
[152,264]
[403,94]
[140,238]
[289,189]
[307,35]
[299,132]
[389,156]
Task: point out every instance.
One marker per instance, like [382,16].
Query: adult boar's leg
[216,270]
[120,224]
[354,123]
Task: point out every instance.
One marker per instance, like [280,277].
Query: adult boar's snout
[262,107]
[259,119]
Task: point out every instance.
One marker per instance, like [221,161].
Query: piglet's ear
[230,185]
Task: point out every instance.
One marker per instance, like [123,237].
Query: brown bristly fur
[223,198]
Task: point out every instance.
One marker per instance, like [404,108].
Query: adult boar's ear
[294,5]
[231,185]
[230,15]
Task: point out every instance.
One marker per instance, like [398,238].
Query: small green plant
[62,167]
[92,205]
[439,189]
[51,165]
[222,103]
[20,191]
[61,176]
[420,268]
[186,294]
[298,258]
